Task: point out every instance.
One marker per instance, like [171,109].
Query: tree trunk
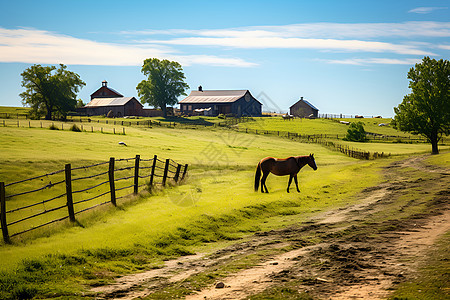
[434,143]
[434,147]
[48,114]
[164,110]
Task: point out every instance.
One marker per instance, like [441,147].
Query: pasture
[214,208]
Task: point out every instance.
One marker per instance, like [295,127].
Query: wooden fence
[36,202]
[60,126]
[322,139]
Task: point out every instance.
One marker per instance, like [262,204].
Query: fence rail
[321,139]
[65,193]
[60,126]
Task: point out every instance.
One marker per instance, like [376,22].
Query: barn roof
[117,101]
[108,88]
[305,101]
[214,96]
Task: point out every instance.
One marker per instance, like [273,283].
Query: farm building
[120,107]
[106,99]
[105,92]
[215,102]
[303,109]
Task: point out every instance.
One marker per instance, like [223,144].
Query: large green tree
[50,91]
[164,85]
[426,110]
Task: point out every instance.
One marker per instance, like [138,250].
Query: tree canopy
[356,132]
[426,110]
[50,93]
[164,85]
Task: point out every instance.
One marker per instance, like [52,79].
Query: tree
[49,93]
[426,110]
[356,132]
[164,85]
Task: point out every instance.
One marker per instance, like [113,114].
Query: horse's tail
[257,176]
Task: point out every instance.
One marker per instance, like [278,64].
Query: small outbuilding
[304,109]
[215,102]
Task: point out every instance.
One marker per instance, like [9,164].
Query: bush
[356,132]
[221,116]
[75,128]
[53,127]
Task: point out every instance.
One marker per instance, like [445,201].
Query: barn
[215,102]
[106,99]
[105,92]
[119,106]
[303,109]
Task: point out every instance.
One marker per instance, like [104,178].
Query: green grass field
[214,206]
[320,126]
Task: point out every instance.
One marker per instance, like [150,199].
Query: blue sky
[349,57]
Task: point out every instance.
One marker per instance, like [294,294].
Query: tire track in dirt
[350,269]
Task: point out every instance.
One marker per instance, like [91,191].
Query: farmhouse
[215,102]
[106,99]
[304,109]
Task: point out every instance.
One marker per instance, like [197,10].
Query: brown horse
[280,167]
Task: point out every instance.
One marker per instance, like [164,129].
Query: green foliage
[80,104]
[426,110]
[164,84]
[356,133]
[53,127]
[50,94]
[75,128]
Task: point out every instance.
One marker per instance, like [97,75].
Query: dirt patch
[347,263]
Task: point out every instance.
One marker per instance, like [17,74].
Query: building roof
[108,88]
[117,101]
[309,104]
[217,96]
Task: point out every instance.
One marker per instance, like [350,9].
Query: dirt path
[346,264]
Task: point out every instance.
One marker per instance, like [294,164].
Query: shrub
[75,128]
[356,132]
[221,116]
[53,127]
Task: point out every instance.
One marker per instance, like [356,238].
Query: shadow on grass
[187,121]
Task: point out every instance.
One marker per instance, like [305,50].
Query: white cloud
[318,30]
[372,61]
[295,43]
[363,37]
[37,46]
[425,10]
[445,47]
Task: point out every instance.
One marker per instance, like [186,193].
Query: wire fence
[322,139]
[32,203]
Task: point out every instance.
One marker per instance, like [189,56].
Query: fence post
[3,214]
[166,170]
[177,174]
[136,174]
[69,193]
[185,171]
[112,186]
[152,174]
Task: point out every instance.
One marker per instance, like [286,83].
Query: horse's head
[312,162]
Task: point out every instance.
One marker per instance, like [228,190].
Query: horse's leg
[289,184]
[296,182]
[263,182]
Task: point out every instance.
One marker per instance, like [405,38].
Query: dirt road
[358,252]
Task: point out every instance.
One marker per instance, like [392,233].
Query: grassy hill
[214,206]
